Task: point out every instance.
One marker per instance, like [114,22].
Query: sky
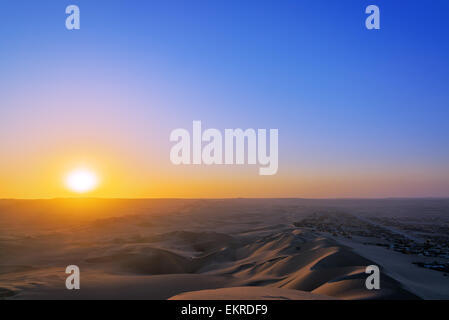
[360,113]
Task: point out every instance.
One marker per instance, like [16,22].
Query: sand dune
[307,263]
[103,285]
[186,253]
[146,260]
[250,293]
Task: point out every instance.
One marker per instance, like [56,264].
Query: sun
[81,180]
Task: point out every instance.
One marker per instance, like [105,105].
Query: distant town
[428,238]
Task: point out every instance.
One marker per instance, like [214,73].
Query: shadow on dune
[293,260]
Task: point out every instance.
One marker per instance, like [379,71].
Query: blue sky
[344,98]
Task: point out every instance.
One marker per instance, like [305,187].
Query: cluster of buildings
[385,232]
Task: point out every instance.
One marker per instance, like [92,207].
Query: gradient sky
[360,113]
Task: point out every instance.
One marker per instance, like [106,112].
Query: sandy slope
[250,293]
[428,284]
[100,285]
[178,253]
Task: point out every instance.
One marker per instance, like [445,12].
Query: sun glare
[81,180]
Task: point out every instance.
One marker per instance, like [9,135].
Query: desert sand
[200,249]
[250,293]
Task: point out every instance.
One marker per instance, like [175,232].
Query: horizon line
[233,198]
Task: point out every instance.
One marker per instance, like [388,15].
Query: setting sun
[81,180]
